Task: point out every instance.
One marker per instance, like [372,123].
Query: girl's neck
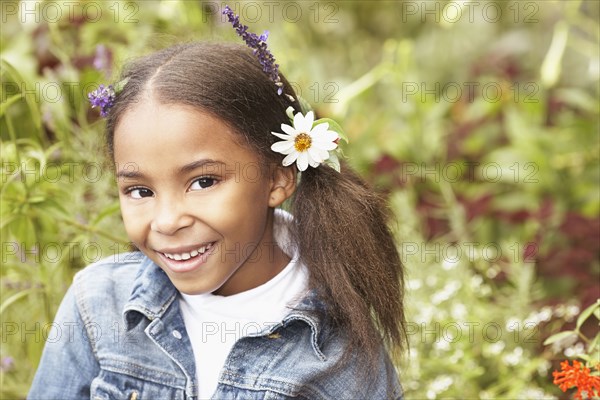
[255,273]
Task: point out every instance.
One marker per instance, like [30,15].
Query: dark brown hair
[340,224]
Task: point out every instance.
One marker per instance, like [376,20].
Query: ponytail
[343,238]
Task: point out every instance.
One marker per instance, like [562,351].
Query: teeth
[187,256]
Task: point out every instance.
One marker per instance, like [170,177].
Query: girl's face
[195,201]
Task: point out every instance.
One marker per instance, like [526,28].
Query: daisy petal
[324,154]
[283,147]
[308,121]
[304,123]
[289,130]
[298,121]
[302,161]
[314,164]
[283,136]
[329,136]
[289,159]
[315,155]
[322,127]
[325,145]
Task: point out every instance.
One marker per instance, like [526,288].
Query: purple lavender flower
[103,97]
[259,45]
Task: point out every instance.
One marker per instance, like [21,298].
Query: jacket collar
[153,293]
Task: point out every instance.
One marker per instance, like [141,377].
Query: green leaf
[304,105]
[595,343]
[108,211]
[15,297]
[584,357]
[120,85]
[8,102]
[558,336]
[31,100]
[586,314]
[36,199]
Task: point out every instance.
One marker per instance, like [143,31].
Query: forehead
[174,134]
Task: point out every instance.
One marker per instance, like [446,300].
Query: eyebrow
[200,163]
[124,173]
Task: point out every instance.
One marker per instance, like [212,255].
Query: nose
[170,216]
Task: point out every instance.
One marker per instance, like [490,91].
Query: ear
[283,184]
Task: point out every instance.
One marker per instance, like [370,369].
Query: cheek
[132,222]
[243,210]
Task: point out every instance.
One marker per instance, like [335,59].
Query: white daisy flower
[305,144]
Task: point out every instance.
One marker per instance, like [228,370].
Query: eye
[139,192]
[203,183]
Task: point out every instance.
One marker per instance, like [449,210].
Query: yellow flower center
[302,142]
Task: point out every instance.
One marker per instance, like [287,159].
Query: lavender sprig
[259,46]
[103,97]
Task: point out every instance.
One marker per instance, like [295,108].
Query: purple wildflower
[102,59]
[7,363]
[259,45]
[103,97]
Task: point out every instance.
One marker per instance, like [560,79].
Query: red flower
[577,376]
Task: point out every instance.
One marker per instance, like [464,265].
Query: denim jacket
[119,334]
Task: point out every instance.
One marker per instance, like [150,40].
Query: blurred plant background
[479,121]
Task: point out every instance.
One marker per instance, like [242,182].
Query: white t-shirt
[214,323]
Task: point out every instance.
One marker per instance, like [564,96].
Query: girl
[229,296]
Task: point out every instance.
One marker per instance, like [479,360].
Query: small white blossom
[496,348]
[476,281]
[458,355]
[458,311]
[450,263]
[448,291]
[491,272]
[574,351]
[441,345]
[431,280]
[535,394]
[571,312]
[514,357]
[414,284]
[441,383]
[513,324]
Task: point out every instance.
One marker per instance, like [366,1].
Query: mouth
[187,255]
[185,261]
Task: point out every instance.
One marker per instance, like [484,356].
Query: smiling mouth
[186,256]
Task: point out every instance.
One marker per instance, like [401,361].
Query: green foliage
[481,131]
[591,355]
